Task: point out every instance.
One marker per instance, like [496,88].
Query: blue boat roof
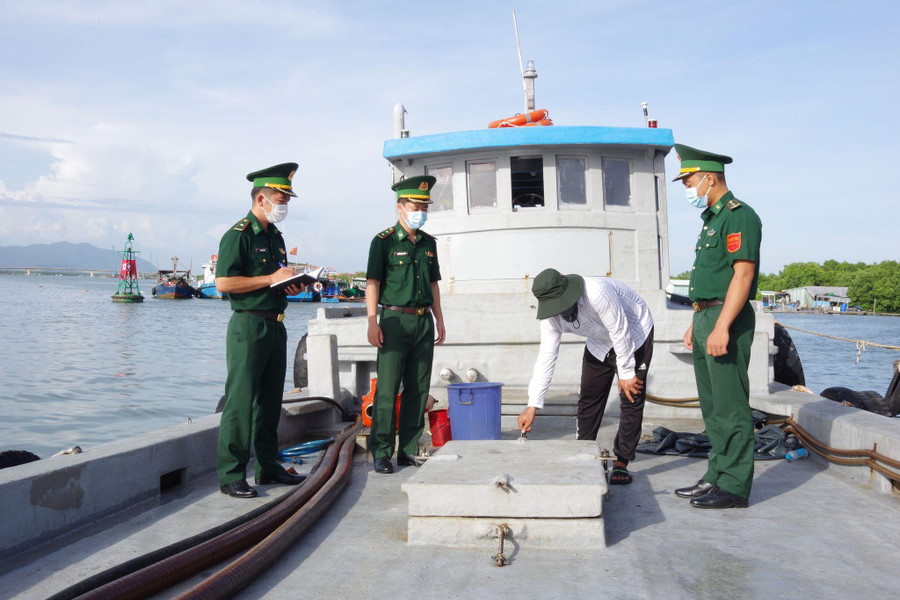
[526,136]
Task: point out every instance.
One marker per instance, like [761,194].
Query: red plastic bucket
[440,427]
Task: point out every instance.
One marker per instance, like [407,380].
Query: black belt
[272,316]
[704,304]
[409,310]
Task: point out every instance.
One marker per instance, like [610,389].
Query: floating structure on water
[128,289]
[589,200]
[173,284]
[207,288]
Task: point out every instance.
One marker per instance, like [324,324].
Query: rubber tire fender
[301,368]
[12,458]
[788,368]
[874,402]
[892,395]
[867,400]
[842,394]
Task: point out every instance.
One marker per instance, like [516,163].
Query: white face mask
[695,200]
[279,212]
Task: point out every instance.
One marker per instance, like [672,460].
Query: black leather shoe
[719,498]
[238,489]
[283,477]
[405,461]
[695,491]
[383,465]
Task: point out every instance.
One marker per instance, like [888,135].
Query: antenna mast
[528,76]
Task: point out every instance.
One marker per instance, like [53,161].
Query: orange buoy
[522,119]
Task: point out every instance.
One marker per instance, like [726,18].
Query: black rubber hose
[348,417]
[135,564]
[169,571]
[239,574]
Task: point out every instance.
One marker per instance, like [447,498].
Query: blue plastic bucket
[475,410]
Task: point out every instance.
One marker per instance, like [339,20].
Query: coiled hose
[243,571]
[157,577]
[135,564]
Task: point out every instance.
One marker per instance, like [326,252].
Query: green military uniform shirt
[405,270]
[731,231]
[249,250]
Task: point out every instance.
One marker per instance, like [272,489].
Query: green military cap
[415,189]
[556,292]
[277,177]
[693,160]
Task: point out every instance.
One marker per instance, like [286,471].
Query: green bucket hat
[556,292]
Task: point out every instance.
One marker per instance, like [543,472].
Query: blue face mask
[695,200]
[415,219]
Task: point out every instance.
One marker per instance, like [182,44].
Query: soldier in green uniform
[723,281]
[402,277]
[251,258]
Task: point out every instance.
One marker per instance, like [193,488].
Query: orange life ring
[519,120]
[317,286]
[543,122]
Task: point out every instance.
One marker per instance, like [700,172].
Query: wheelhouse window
[482,182]
[527,181]
[656,189]
[571,179]
[442,192]
[616,182]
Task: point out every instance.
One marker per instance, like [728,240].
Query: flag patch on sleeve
[734,242]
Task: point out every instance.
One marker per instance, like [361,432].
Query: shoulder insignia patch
[733,204]
[386,233]
[734,242]
[242,225]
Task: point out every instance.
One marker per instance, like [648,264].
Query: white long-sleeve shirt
[610,315]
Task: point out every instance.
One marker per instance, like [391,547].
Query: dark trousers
[596,381]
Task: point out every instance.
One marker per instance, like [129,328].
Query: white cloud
[150,113]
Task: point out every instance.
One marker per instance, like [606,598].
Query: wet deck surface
[808,533]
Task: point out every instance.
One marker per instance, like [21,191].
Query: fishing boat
[306,296]
[312,293]
[331,291]
[207,288]
[536,196]
[173,284]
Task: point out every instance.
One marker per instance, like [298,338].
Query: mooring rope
[860,344]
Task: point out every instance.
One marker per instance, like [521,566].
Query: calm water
[79,369]
[828,362]
[76,368]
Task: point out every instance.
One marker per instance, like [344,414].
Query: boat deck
[808,533]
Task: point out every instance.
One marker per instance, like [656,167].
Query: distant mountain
[65,255]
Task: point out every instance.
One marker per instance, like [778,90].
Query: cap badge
[423,186]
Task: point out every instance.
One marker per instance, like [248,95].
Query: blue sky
[144,117]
